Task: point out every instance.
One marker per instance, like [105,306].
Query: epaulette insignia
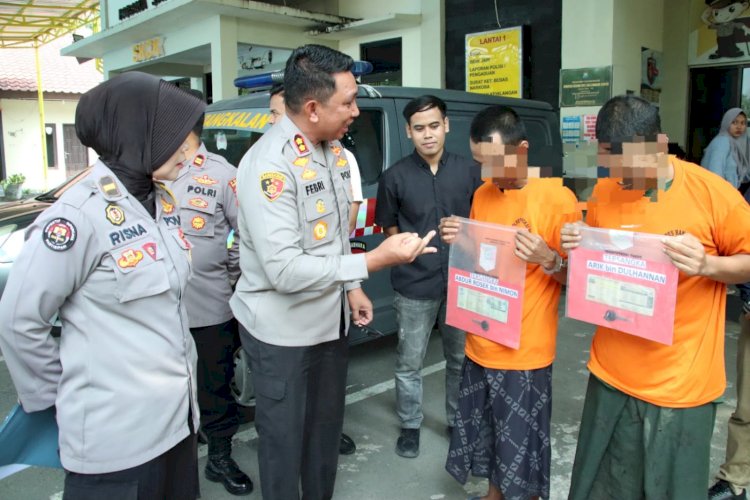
[301,146]
[109,187]
[199,160]
[301,161]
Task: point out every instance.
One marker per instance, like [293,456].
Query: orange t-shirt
[542,207]
[690,372]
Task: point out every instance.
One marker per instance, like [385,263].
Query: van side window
[365,141]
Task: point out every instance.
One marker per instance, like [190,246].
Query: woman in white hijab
[728,154]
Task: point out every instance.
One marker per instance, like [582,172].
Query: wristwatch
[559,264]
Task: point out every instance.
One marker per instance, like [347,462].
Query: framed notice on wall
[494,62]
[585,86]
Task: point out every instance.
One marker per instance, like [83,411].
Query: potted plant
[12,186]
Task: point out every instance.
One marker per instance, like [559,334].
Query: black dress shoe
[346,446]
[224,470]
[722,490]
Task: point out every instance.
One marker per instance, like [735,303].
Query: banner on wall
[719,32]
[494,62]
[585,86]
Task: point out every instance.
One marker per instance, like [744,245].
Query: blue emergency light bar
[267,79]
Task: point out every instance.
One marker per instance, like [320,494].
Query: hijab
[740,146]
[136,122]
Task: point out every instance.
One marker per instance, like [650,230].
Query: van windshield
[232,133]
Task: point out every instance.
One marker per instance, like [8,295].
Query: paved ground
[375,472]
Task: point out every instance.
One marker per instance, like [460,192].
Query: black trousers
[216,345]
[299,395]
[171,475]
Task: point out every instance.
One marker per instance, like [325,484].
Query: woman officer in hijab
[110,257]
[728,154]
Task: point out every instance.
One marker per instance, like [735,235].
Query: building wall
[422,47]
[587,41]
[22,139]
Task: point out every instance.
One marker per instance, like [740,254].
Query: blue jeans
[415,321]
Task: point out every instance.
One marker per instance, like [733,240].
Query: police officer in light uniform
[298,275]
[206,191]
[114,264]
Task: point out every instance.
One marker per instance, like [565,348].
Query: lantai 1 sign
[494,62]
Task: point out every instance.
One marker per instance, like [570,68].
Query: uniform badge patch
[199,160]
[300,145]
[198,202]
[336,150]
[198,222]
[150,249]
[59,234]
[233,185]
[342,162]
[205,180]
[320,230]
[309,174]
[301,161]
[272,184]
[130,258]
[109,186]
[320,206]
[114,214]
[166,207]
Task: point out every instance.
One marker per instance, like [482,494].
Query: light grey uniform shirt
[123,374]
[294,255]
[205,190]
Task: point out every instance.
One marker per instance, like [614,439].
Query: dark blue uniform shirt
[412,198]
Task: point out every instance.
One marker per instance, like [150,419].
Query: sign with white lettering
[624,281]
[486,282]
[494,62]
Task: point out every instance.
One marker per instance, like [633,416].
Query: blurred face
[277,108]
[333,118]
[427,131]
[738,126]
[507,166]
[642,164]
[170,169]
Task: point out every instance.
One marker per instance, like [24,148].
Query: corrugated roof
[59,73]
[31,23]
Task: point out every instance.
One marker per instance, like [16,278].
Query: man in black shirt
[413,195]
